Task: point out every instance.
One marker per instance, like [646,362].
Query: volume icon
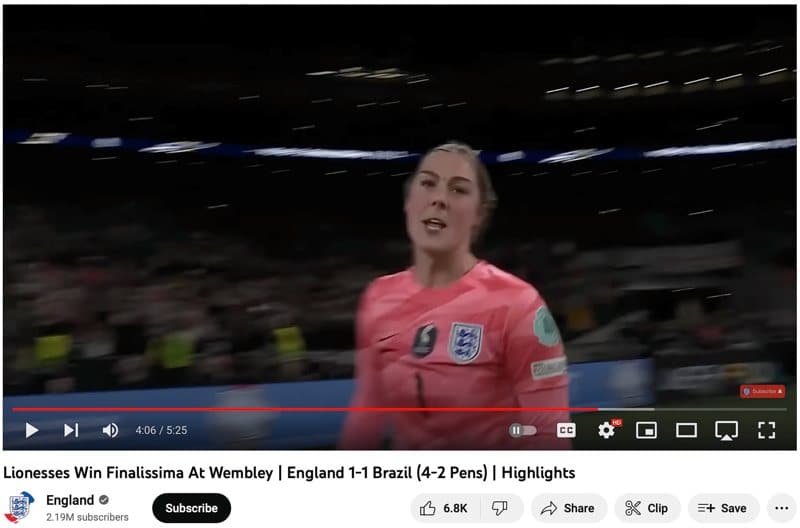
[111,430]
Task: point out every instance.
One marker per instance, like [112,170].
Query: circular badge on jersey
[424,341]
[545,328]
[465,342]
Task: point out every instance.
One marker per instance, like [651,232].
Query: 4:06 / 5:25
[158,430]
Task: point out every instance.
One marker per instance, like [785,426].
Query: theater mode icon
[686,430]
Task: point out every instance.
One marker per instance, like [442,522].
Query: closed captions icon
[566,430]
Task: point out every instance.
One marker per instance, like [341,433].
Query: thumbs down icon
[499,507]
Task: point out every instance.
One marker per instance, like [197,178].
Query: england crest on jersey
[465,342]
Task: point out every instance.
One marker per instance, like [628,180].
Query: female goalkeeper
[454,332]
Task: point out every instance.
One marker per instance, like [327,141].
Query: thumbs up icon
[428,510]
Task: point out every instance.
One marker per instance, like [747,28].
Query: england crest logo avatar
[20,506]
[465,342]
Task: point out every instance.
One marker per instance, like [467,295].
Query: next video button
[191,508]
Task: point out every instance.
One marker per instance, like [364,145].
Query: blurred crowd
[138,304]
[90,308]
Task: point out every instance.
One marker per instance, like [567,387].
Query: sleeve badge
[545,328]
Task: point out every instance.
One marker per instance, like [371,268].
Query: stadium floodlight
[772,72]
[178,147]
[722,149]
[695,81]
[45,138]
[729,77]
[109,142]
[511,156]
[575,155]
[332,153]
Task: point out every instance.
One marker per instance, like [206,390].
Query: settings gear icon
[606,430]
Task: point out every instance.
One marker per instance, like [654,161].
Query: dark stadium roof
[404,77]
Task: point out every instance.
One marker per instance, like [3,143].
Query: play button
[30,430]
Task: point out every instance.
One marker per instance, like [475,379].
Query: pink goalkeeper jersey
[488,340]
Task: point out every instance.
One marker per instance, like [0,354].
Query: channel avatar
[20,506]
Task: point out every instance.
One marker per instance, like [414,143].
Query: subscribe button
[762,391]
[191,508]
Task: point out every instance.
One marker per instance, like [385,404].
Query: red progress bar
[304,409]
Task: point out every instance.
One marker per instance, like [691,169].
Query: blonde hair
[488,197]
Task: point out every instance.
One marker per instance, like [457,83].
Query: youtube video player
[353,279]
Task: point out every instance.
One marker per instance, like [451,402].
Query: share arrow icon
[550,508]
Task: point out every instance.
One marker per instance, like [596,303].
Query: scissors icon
[630,508]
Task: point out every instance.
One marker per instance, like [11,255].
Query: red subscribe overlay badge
[762,391]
